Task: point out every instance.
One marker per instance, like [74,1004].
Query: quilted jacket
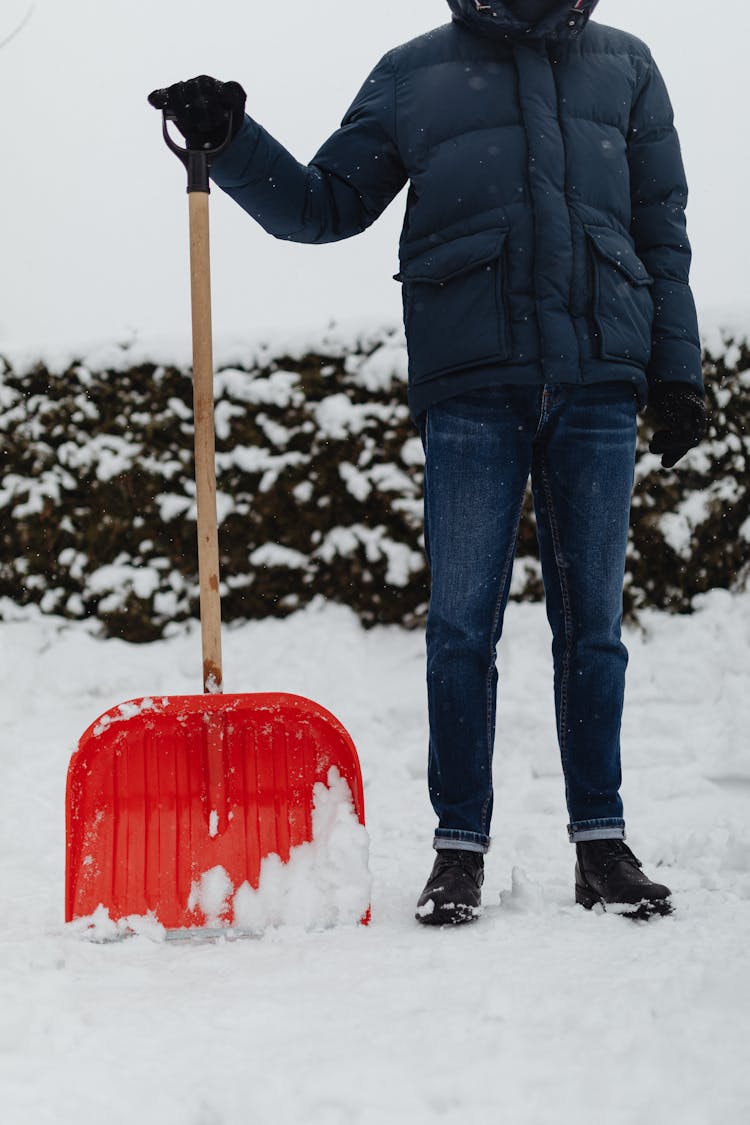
[544,239]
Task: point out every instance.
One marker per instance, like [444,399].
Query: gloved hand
[682,412]
[203,109]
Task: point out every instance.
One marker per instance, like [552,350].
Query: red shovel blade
[161,791]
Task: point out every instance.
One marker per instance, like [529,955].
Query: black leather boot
[607,872]
[453,892]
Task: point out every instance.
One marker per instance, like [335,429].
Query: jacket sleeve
[345,187]
[659,197]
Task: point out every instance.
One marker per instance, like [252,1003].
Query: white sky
[93,218]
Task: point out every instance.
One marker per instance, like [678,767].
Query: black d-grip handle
[197,161]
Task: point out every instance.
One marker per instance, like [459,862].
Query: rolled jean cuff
[456,840]
[583,830]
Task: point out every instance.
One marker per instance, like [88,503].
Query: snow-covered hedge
[319,480]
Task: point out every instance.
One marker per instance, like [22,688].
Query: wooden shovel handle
[205,450]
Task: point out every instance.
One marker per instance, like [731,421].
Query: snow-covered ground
[539,1013]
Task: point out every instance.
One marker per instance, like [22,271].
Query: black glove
[681,410]
[203,109]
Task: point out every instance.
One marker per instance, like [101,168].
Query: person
[544,263]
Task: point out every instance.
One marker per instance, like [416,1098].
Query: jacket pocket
[623,306]
[454,305]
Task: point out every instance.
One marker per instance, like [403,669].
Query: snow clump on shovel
[326,882]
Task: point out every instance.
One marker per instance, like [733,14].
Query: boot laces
[617,851]
[470,862]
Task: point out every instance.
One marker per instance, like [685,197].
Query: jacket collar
[493,18]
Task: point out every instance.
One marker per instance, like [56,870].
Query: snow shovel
[163,791]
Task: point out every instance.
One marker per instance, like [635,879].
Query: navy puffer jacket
[544,239]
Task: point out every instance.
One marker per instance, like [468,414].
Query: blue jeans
[578,445]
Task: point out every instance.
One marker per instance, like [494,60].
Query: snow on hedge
[319,486]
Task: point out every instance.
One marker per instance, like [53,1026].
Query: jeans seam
[568,623]
[543,411]
[425,521]
[493,643]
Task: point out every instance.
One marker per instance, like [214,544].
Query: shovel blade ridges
[162,790]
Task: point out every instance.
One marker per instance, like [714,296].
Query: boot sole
[448,916]
[639,911]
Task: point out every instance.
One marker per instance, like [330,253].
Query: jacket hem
[429,392]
